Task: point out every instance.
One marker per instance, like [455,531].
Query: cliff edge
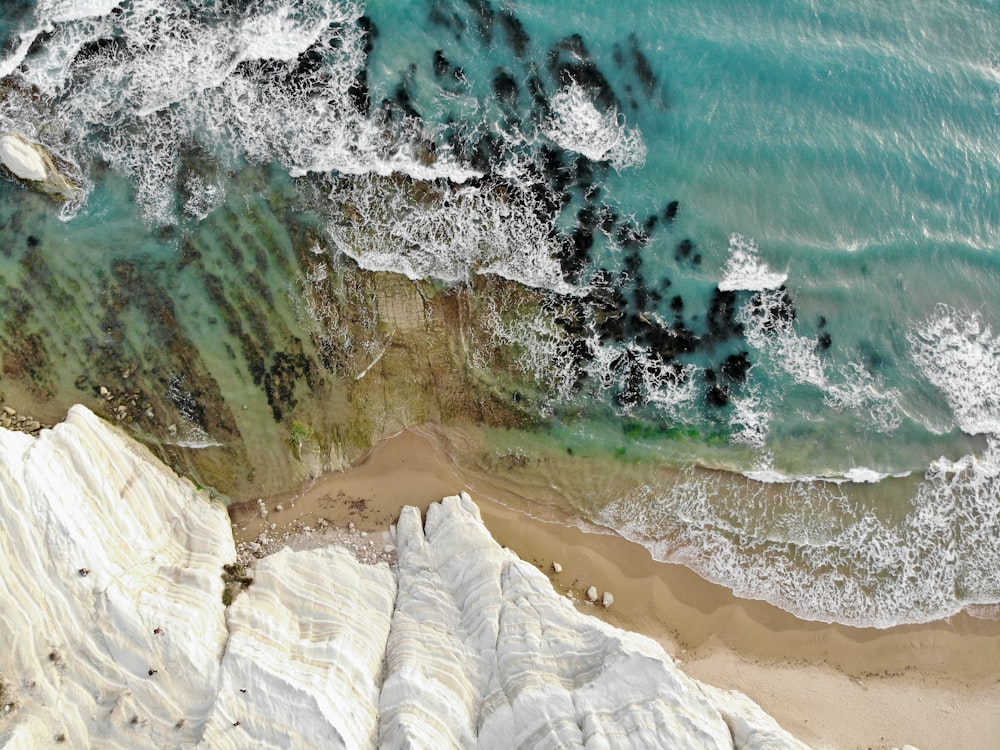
[111,601]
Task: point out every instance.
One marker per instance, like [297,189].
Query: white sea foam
[147,152]
[745,270]
[173,78]
[750,418]
[775,336]
[9,64]
[855,475]
[280,31]
[167,79]
[861,475]
[670,389]
[864,393]
[541,348]
[850,387]
[445,230]
[60,11]
[807,548]
[203,197]
[577,125]
[959,353]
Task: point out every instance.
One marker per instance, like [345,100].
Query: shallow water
[689,246]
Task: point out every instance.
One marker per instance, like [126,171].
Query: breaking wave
[959,353]
[577,125]
[745,270]
[809,548]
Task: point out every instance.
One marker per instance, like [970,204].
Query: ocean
[720,277]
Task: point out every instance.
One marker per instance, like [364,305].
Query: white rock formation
[306,643]
[464,646]
[77,649]
[19,155]
[31,162]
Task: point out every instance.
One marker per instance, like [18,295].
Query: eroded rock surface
[30,162]
[111,603]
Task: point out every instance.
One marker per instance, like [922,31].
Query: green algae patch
[245,350]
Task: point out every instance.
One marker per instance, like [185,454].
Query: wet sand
[932,686]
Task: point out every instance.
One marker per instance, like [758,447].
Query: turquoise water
[769,231]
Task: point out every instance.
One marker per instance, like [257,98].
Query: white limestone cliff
[21,157]
[464,646]
[78,647]
[30,162]
[303,665]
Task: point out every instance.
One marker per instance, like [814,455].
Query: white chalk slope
[466,646]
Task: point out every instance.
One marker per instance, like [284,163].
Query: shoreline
[930,685]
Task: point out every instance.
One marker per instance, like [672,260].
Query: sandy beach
[932,686]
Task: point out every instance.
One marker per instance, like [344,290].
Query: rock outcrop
[34,165]
[101,545]
[111,609]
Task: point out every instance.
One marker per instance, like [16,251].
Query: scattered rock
[11,420]
[279,507]
[377,548]
[608,599]
[556,567]
[592,593]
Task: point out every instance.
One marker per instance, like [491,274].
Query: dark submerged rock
[736,366]
[358,92]
[484,18]
[717,396]
[684,250]
[570,62]
[505,88]
[721,319]
[517,37]
[369,33]
[441,65]
[631,237]
[643,70]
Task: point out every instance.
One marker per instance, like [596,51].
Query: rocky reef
[112,608]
